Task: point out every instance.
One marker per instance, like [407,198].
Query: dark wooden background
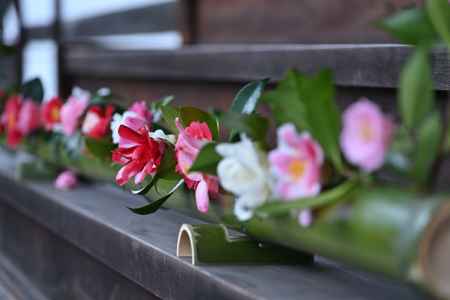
[228,43]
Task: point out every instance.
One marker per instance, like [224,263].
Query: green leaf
[147,188]
[33,89]
[166,169]
[248,97]
[169,114]
[189,114]
[285,102]
[100,148]
[410,26]
[322,114]
[427,149]
[278,208]
[398,157]
[73,145]
[156,105]
[254,125]
[308,103]
[207,160]
[439,12]
[416,89]
[155,205]
[36,170]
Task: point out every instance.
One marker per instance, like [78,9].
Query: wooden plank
[143,249]
[53,268]
[39,32]
[153,18]
[13,283]
[354,65]
[293,21]
[148,19]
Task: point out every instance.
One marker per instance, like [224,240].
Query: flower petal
[130,134]
[202,197]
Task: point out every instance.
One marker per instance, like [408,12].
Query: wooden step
[85,244]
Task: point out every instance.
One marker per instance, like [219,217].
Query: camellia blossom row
[253,172]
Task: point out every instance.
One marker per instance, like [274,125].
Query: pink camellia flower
[142,158]
[29,118]
[19,119]
[72,110]
[96,123]
[366,135]
[190,140]
[66,180]
[9,120]
[296,164]
[137,117]
[50,112]
[140,108]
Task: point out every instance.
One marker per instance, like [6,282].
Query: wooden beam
[149,19]
[293,21]
[363,65]
[153,18]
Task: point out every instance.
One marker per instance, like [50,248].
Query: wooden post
[187,20]
[63,89]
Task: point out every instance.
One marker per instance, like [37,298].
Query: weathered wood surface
[95,220]
[55,268]
[293,21]
[13,283]
[353,65]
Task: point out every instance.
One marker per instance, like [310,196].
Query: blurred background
[44,29]
[40,54]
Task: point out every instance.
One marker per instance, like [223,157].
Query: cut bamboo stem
[215,244]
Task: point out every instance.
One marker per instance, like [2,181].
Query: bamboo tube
[396,232]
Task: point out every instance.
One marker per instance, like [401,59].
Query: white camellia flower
[115,123]
[90,121]
[244,172]
[79,93]
[161,135]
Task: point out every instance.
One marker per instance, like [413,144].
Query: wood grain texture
[13,283]
[293,21]
[56,268]
[353,65]
[94,219]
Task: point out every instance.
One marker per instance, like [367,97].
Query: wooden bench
[76,246]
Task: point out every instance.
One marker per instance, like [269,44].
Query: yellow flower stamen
[296,169]
[11,120]
[366,132]
[54,114]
